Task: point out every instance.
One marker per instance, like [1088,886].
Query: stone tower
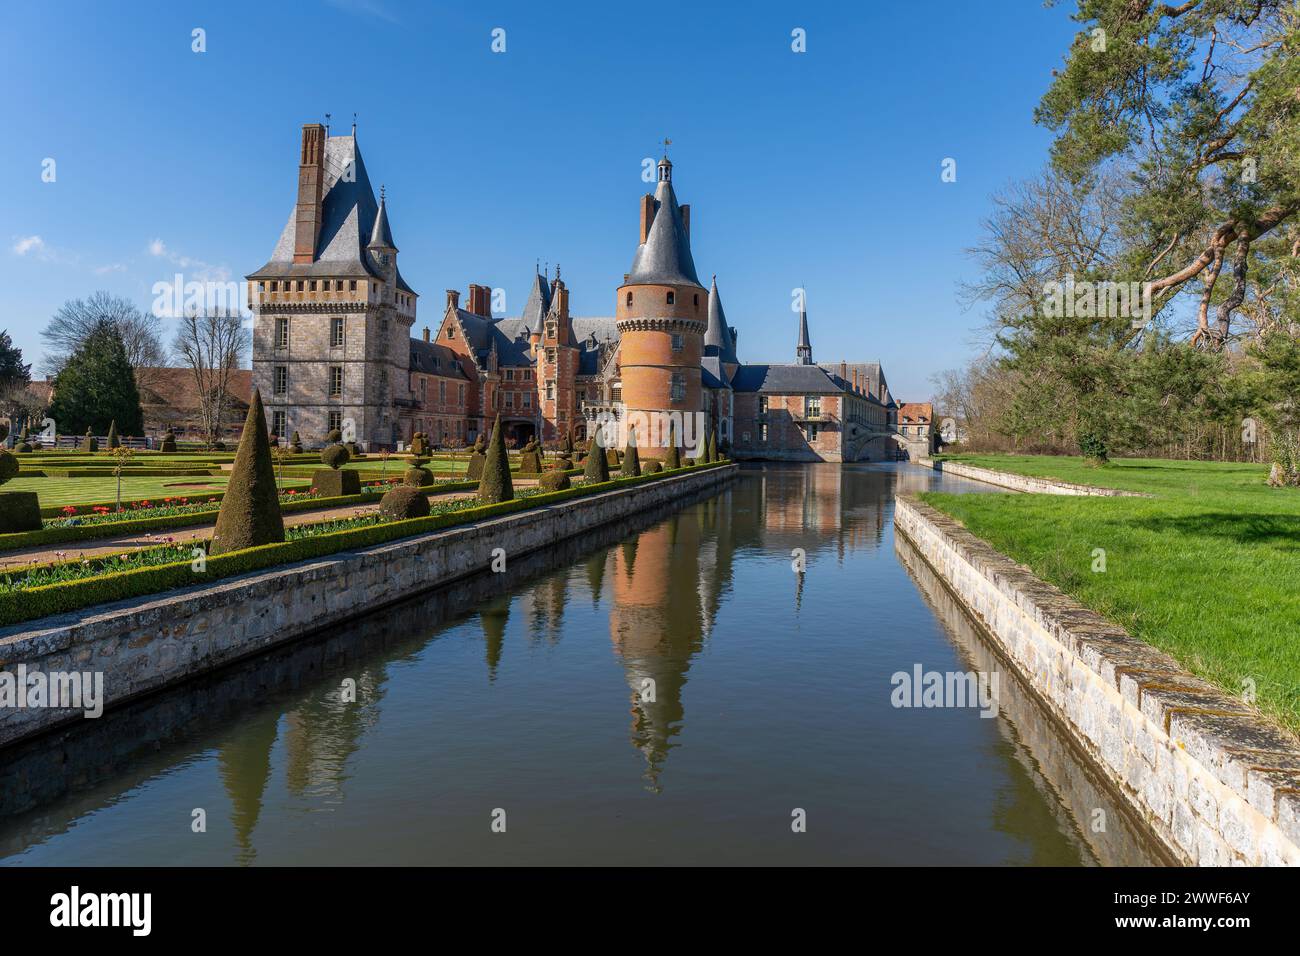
[662,312]
[332,313]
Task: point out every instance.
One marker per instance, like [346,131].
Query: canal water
[672,690]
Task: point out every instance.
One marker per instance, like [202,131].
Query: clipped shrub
[673,458]
[250,511]
[113,440]
[417,476]
[403,502]
[336,482]
[554,481]
[9,466]
[596,466]
[295,444]
[651,467]
[169,441]
[333,437]
[611,458]
[712,454]
[495,484]
[336,456]
[631,456]
[530,459]
[419,444]
[477,460]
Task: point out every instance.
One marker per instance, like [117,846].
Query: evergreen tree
[495,485]
[97,387]
[250,511]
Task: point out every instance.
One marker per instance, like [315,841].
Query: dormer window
[671,298]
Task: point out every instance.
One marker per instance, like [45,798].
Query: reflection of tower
[655,625]
[549,597]
[494,616]
[245,766]
[325,730]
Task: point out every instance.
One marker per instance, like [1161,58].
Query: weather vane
[667,142]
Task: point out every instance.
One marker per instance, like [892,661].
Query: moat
[524,699]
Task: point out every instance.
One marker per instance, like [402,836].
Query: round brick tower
[662,312]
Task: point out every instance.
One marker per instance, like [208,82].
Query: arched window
[629,300]
[670,298]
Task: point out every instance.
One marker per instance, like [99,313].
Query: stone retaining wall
[1039,486]
[1216,784]
[144,644]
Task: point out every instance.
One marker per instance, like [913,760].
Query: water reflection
[502,691]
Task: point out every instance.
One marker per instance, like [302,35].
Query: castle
[332,343]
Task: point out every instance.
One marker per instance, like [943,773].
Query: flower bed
[62,596]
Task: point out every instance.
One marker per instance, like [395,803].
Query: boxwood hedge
[68,596]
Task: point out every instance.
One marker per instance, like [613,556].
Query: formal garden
[104,524]
[1207,568]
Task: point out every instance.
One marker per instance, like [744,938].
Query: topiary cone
[631,457]
[712,454]
[596,467]
[250,511]
[495,485]
[113,440]
[674,458]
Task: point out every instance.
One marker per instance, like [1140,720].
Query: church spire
[803,350]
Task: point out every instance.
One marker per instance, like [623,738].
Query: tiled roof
[921,412]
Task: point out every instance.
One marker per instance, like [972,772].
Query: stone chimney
[647,217]
[480,300]
[453,298]
[311,178]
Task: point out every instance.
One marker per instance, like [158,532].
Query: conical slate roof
[665,256]
[804,349]
[538,304]
[717,336]
[381,235]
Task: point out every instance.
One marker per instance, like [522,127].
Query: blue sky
[818,169]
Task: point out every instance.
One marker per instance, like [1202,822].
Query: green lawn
[1208,570]
[66,491]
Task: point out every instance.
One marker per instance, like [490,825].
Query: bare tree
[141,333]
[212,345]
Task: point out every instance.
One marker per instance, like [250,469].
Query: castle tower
[662,314]
[333,315]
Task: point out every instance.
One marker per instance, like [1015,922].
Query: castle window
[762,404]
[677,388]
[679,342]
[550,356]
[336,421]
[629,300]
[671,298]
[383,325]
[460,395]
[451,333]
[442,392]
[510,375]
[510,399]
[280,425]
[336,333]
[336,380]
[550,391]
[528,400]
[762,433]
[697,300]
[281,380]
[282,333]
[424,391]
[352,285]
[812,405]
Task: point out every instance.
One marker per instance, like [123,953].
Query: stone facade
[1215,783]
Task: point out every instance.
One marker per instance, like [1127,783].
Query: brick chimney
[647,216]
[844,370]
[453,298]
[311,178]
[426,333]
[480,300]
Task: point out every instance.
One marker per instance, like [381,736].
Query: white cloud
[202,271]
[32,244]
[111,267]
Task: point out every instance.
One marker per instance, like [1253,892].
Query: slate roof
[435,359]
[665,256]
[784,380]
[718,340]
[348,213]
[538,304]
[381,234]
